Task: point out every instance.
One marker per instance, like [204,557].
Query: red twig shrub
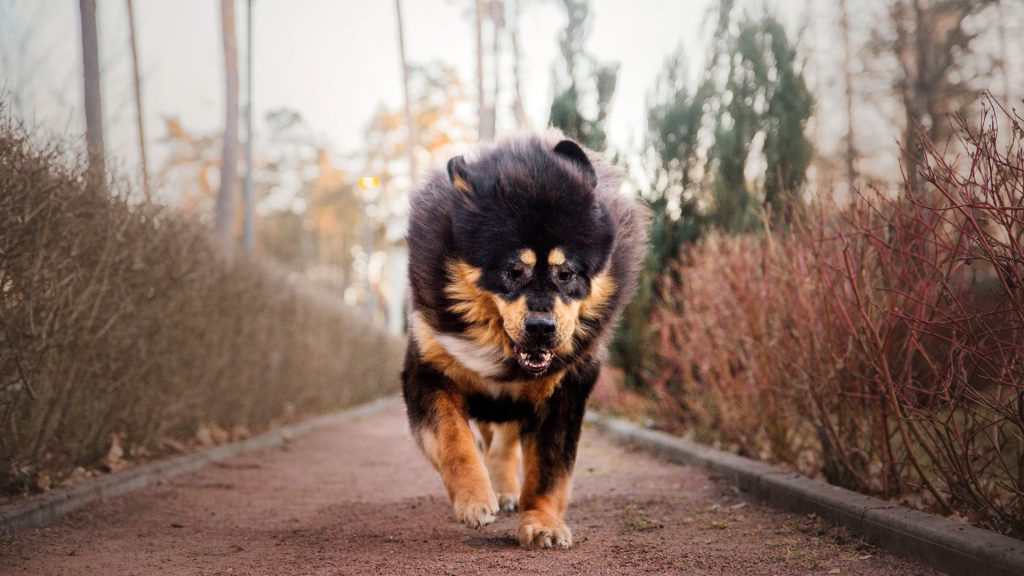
[121,318]
[880,345]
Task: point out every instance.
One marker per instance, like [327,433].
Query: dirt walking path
[357,498]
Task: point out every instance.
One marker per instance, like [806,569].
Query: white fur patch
[486,362]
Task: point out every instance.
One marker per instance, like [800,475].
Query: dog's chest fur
[473,368]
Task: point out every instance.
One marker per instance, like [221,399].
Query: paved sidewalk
[357,498]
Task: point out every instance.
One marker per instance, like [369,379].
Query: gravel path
[357,498]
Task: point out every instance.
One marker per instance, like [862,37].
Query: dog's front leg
[549,455]
[447,440]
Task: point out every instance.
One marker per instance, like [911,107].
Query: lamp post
[369,186]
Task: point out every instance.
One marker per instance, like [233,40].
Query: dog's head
[535,243]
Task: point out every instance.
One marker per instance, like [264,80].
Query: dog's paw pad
[476,513]
[540,530]
[508,502]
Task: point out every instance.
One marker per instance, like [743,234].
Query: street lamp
[369,185]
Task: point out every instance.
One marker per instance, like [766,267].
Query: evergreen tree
[674,120]
[751,87]
[787,150]
[584,87]
[764,93]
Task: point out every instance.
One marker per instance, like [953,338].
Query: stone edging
[950,546]
[41,510]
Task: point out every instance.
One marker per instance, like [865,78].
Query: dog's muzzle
[535,353]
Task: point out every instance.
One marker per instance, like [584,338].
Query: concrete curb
[39,511]
[949,546]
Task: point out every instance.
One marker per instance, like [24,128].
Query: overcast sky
[332,60]
[335,60]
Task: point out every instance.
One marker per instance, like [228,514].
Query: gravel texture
[358,498]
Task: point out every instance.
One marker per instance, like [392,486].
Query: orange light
[369,182]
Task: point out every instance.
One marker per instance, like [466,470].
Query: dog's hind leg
[486,435]
[501,453]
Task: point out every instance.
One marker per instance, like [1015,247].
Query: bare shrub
[881,345]
[122,318]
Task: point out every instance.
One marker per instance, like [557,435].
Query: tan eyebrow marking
[556,257]
[461,185]
[528,257]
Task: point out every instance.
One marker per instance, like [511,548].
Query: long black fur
[528,192]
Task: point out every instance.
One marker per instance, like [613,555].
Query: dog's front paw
[540,530]
[508,501]
[476,511]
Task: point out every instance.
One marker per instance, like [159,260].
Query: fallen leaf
[204,436]
[114,460]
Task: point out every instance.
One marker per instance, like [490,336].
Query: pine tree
[584,83]
[787,150]
[674,119]
[763,92]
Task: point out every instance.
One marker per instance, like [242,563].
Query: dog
[520,262]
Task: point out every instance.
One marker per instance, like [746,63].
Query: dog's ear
[458,174]
[574,153]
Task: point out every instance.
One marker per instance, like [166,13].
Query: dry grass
[121,318]
[881,346]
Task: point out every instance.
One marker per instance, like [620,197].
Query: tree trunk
[224,222]
[1004,60]
[907,52]
[497,23]
[139,116]
[851,141]
[410,121]
[518,108]
[93,102]
[248,223]
[824,168]
[484,132]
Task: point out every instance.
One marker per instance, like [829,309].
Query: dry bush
[881,346]
[122,318]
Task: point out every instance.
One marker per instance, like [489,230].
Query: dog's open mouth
[535,360]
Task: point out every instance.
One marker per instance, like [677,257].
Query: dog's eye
[513,274]
[566,276]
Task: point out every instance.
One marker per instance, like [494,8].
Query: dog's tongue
[534,360]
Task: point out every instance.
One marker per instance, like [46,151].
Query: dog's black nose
[540,326]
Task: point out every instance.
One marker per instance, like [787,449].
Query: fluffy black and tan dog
[521,260]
